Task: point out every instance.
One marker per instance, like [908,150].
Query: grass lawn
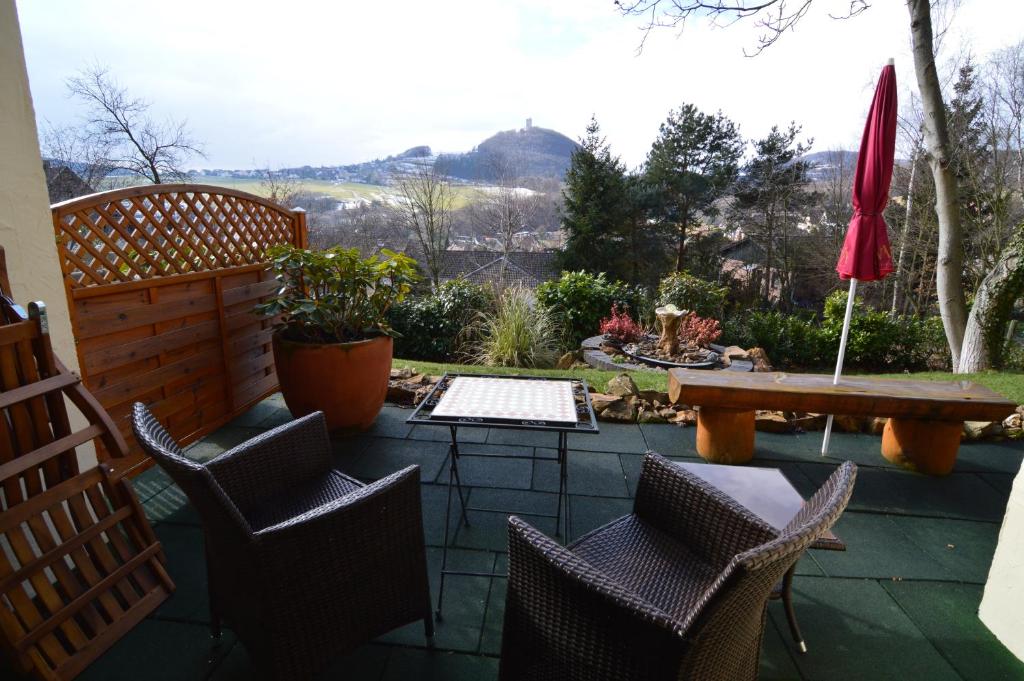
[1008,384]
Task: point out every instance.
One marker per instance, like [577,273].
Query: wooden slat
[99,323]
[243,294]
[112,356]
[24,462]
[37,389]
[855,395]
[128,389]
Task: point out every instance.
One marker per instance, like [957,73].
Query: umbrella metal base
[924,446]
[725,435]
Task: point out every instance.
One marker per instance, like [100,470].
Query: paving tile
[385,456]
[620,438]
[390,422]
[773,447]
[437,665]
[225,438]
[776,656]
[490,637]
[258,413]
[490,530]
[170,506]
[440,434]
[962,547]
[1001,482]
[186,564]
[434,499]
[590,473]
[947,615]
[958,495]
[465,601]
[855,631]
[990,457]
[159,650]
[877,548]
[670,439]
[589,513]
[528,438]
[150,482]
[631,467]
[366,663]
[491,471]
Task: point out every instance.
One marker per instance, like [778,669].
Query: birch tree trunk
[949,262]
[993,302]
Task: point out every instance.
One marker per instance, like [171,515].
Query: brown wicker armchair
[303,562]
[675,590]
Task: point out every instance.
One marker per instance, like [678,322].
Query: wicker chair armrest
[274,461]
[700,515]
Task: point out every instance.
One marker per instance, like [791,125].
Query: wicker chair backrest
[729,622]
[218,512]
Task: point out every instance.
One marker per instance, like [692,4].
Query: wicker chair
[303,562]
[675,590]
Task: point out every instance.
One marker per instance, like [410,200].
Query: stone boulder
[686,417]
[649,415]
[620,411]
[809,422]
[622,385]
[567,360]
[601,401]
[655,398]
[979,430]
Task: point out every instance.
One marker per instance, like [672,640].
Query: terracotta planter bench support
[925,417]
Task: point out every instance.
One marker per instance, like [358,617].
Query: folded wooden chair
[79,563]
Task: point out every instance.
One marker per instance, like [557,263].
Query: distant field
[343,191]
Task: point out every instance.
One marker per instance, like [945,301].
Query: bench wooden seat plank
[925,417]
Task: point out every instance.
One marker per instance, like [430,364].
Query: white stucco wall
[1002,606]
[26,232]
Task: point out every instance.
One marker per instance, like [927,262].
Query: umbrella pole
[839,360]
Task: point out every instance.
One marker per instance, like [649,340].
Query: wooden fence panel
[161,282]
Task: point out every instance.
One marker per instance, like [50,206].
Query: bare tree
[64,146]
[424,210]
[506,210]
[279,187]
[121,125]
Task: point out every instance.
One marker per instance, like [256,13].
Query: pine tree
[595,210]
[693,162]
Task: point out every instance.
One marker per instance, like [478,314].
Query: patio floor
[900,603]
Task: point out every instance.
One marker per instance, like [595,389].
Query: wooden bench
[925,417]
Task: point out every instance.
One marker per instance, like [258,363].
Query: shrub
[336,296]
[621,327]
[429,327]
[699,331]
[518,333]
[688,292]
[878,341]
[579,300]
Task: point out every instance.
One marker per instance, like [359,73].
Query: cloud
[335,82]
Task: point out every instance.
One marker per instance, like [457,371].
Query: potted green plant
[332,346]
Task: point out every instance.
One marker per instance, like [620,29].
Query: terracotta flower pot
[346,381]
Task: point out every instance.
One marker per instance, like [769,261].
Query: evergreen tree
[595,209]
[770,199]
[693,162]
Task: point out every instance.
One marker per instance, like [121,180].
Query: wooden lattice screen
[161,281]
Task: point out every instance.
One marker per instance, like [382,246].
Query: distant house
[63,183]
[743,267]
[523,268]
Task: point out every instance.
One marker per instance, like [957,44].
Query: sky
[279,84]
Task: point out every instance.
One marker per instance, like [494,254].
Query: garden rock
[667,413]
[648,415]
[404,372]
[567,360]
[809,422]
[658,399]
[760,359]
[877,425]
[686,417]
[621,411]
[772,422]
[1013,425]
[978,430]
[848,424]
[622,385]
[601,401]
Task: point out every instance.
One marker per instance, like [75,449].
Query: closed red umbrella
[866,255]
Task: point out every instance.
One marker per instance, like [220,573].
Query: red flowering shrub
[621,327]
[699,331]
